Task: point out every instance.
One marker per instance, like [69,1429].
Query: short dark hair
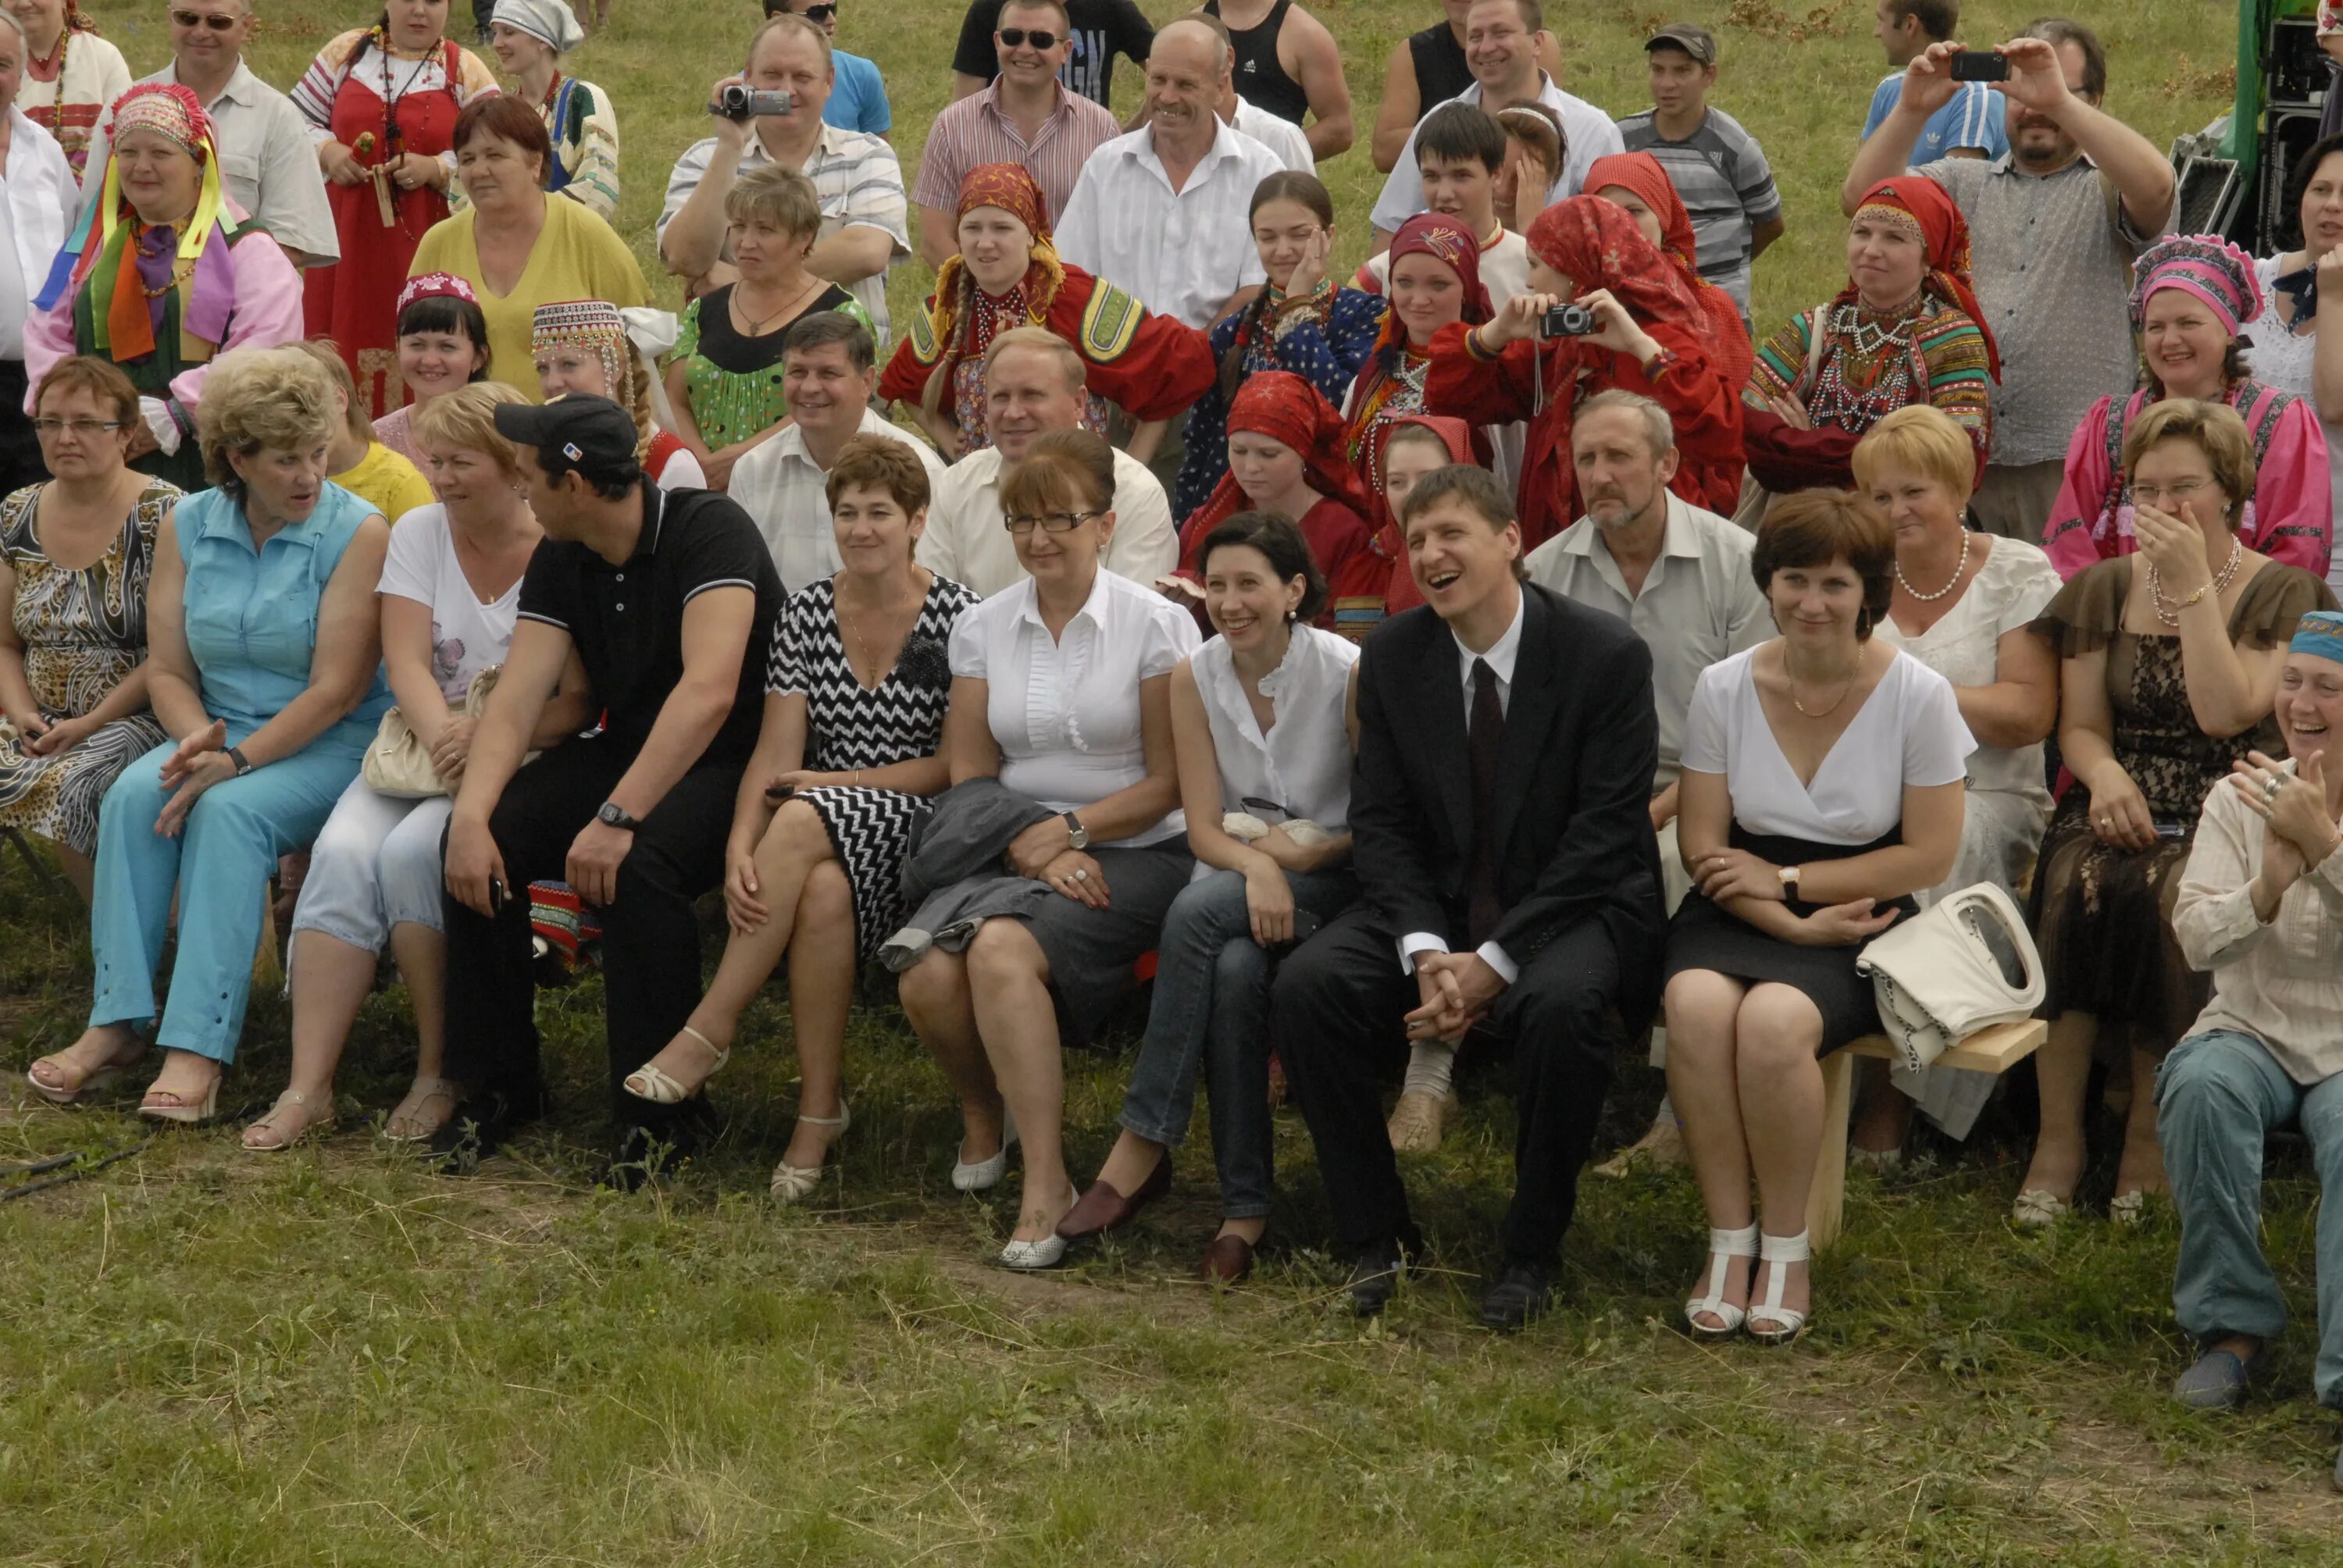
[1065,18]
[2306,169]
[1297,185]
[1280,541]
[1466,482]
[2055,31]
[1938,19]
[445,313]
[818,328]
[101,378]
[1533,15]
[508,117]
[1815,527]
[1461,133]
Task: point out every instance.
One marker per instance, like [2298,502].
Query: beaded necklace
[33,68]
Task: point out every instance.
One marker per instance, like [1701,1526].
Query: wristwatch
[242,763]
[616,816]
[1076,836]
[1790,881]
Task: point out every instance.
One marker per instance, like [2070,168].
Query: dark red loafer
[1228,1260]
[1103,1209]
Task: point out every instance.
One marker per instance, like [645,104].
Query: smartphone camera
[738,102]
[1569,321]
[1980,66]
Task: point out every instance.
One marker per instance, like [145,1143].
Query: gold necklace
[756,324]
[854,633]
[2171,616]
[1821,712]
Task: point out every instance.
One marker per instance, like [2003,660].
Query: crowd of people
[1501,650]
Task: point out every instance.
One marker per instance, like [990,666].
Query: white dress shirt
[268,164]
[1587,133]
[786,493]
[1299,770]
[1184,253]
[1279,135]
[42,196]
[968,542]
[1501,658]
[1065,710]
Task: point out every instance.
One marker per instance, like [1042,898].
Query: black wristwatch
[1076,836]
[242,763]
[615,815]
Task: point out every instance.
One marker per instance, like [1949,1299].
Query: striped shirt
[1721,175]
[1977,117]
[858,181]
[974,131]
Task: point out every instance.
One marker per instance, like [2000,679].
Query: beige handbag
[1965,962]
[399,764]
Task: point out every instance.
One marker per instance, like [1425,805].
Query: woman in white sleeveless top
[1264,725]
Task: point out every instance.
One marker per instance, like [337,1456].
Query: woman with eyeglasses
[1062,693]
[75,556]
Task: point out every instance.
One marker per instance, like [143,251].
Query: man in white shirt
[1459,152]
[827,362]
[1288,140]
[1500,46]
[865,220]
[41,196]
[1032,383]
[1163,212]
[268,163]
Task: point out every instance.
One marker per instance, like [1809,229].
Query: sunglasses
[198,19]
[1018,37]
[817,14]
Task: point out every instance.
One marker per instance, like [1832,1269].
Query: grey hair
[1659,431]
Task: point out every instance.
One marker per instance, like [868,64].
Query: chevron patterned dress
[849,726]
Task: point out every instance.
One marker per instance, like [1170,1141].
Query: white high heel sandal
[793,1182]
[1724,1248]
[650,1081]
[1780,1252]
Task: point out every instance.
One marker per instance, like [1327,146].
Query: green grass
[213,1358]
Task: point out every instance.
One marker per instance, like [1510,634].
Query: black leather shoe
[480,1125]
[1520,1295]
[1375,1276]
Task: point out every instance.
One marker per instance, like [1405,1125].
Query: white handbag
[397,763]
[1946,973]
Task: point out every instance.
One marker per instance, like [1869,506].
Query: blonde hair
[2214,428]
[253,399]
[779,195]
[329,358]
[1919,438]
[466,418]
[1041,340]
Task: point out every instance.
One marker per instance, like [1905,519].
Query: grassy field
[213,1358]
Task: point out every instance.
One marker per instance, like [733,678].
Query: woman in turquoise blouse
[266,664]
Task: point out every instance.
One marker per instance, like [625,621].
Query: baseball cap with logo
[590,435]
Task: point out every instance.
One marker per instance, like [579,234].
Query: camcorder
[736,101]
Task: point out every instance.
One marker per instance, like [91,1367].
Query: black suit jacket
[1574,787]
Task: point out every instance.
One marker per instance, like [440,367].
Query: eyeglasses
[2183,493]
[1020,524]
[199,19]
[84,429]
[1018,37]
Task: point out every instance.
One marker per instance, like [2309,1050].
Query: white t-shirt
[1908,731]
[466,636]
[1065,712]
[1505,269]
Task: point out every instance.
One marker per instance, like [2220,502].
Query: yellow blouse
[577,257]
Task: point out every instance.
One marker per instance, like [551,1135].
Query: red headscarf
[1946,234]
[1644,175]
[1287,409]
[1436,234]
[1013,188]
[1457,436]
[1597,245]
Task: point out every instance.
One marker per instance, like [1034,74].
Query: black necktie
[1484,735]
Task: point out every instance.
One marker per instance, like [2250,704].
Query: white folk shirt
[1065,710]
[786,493]
[42,196]
[1587,133]
[1184,253]
[968,541]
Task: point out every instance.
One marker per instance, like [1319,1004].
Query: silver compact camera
[736,101]
[1568,321]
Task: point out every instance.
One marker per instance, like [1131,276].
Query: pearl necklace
[1959,566]
[2171,616]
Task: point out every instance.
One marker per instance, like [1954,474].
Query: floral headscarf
[1435,235]
[1644,175]
[1921,202]
[1287,409]
[941,336]
[1597,245]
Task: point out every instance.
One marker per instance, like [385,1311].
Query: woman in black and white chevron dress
[854,712]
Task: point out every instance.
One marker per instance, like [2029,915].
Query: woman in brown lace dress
[2169,660]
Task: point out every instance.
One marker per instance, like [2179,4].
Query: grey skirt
[1091,952]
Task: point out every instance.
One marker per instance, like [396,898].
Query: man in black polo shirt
[666,601]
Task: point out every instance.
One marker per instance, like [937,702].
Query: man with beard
[2054,224]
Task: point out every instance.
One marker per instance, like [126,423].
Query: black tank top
[1261,80]
[1440,71]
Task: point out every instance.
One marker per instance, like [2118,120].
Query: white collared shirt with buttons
[42,196]
[787,494]
[1065,710]
[1181,254]
[1587,133]
[1501,656]
[968,541]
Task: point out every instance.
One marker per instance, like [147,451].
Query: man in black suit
[1509,878]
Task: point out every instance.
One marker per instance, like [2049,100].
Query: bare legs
[935,996]
[2063,1069]
[100,1046]
[822,987]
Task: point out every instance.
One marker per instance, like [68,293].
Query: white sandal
[1724,1247]
[292,1100]
[1780,1252]
[793,1182]
[650,1081]
[398,1127]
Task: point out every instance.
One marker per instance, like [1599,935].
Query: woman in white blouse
[1820,789]
[1262,722]
[1964,605]
[1060,691]
[449,588]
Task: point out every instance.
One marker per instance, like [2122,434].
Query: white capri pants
[376,865]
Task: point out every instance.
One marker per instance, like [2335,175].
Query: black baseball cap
[591,435]
[1692,38]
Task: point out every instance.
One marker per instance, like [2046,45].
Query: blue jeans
[1212,994]
[2218,1096]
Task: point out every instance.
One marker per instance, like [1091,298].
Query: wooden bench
[1995,1050]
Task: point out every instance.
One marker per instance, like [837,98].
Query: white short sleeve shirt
[466,636]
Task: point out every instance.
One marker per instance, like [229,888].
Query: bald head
[1187,72]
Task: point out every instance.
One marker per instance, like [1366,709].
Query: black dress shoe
[1518,1295]
[482,1124]
[1375,1276]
